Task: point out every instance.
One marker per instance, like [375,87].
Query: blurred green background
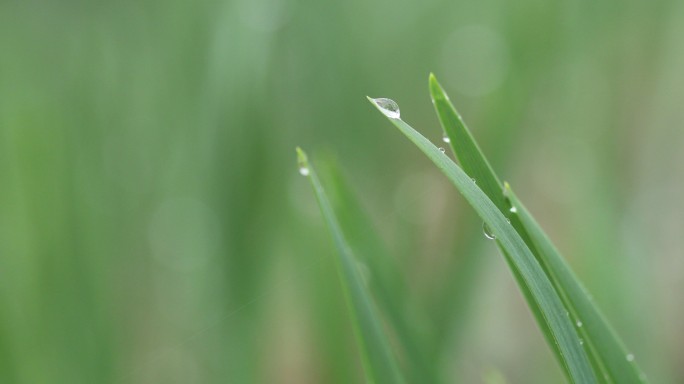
[154,228]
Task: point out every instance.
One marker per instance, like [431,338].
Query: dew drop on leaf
[488,232]
[388,107]
[304,171]
[446,139]
[442,149]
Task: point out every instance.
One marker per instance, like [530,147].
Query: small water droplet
[581,341]
[446,139]
[579,324]
[442,149]
[630,357]
[488,232]
[513,209]
[474,181]
[388,107]
[508,220]
[304,171]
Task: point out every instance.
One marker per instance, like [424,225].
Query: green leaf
[477,167]
[386,283]
[605,350]
[377,357]
[616,364]
[540,288]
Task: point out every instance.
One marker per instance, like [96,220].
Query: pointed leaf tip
[436,91]
[302,159]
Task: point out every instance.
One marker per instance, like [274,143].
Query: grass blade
[377,357]
[605,350]
[477,167]
[616,364]
[387,283]
[551,307]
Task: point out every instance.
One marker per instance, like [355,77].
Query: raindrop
[446,138]
[304,171]
[630,357]
[581,342]
[442,149]
[388,107]
[474,181]
[513,209]
[488,232]
[579,324]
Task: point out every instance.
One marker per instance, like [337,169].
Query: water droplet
[630,357]
[513,209]
[446,139]
[581,341]
[442,149]
[474,181]
[388,107]
[488,232]
[304,171]
[508,220]
[579,324]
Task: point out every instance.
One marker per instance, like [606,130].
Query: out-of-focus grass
[152,229]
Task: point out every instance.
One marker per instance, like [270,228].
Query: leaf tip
[302,159]
[436,90]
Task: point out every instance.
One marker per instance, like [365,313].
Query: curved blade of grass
[540,287]
[386,281]
[616,363]
[379,362]
[476,166]
[605,350]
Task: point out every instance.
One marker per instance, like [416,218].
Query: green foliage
[581,339]
[380,364]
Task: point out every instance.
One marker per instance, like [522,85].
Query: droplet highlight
[630,357]
[446,138]
[304,171]
[579,324]
[488,232]
[388,107]
[442,149]
[513,209]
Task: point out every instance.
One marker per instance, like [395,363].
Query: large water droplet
[513,209]
[630,357]
[579,324]
[488,232]
[304,171]
[446,138]
[389,107]
[442,149]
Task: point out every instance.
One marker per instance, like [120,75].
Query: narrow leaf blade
[378,359]
[531,272]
